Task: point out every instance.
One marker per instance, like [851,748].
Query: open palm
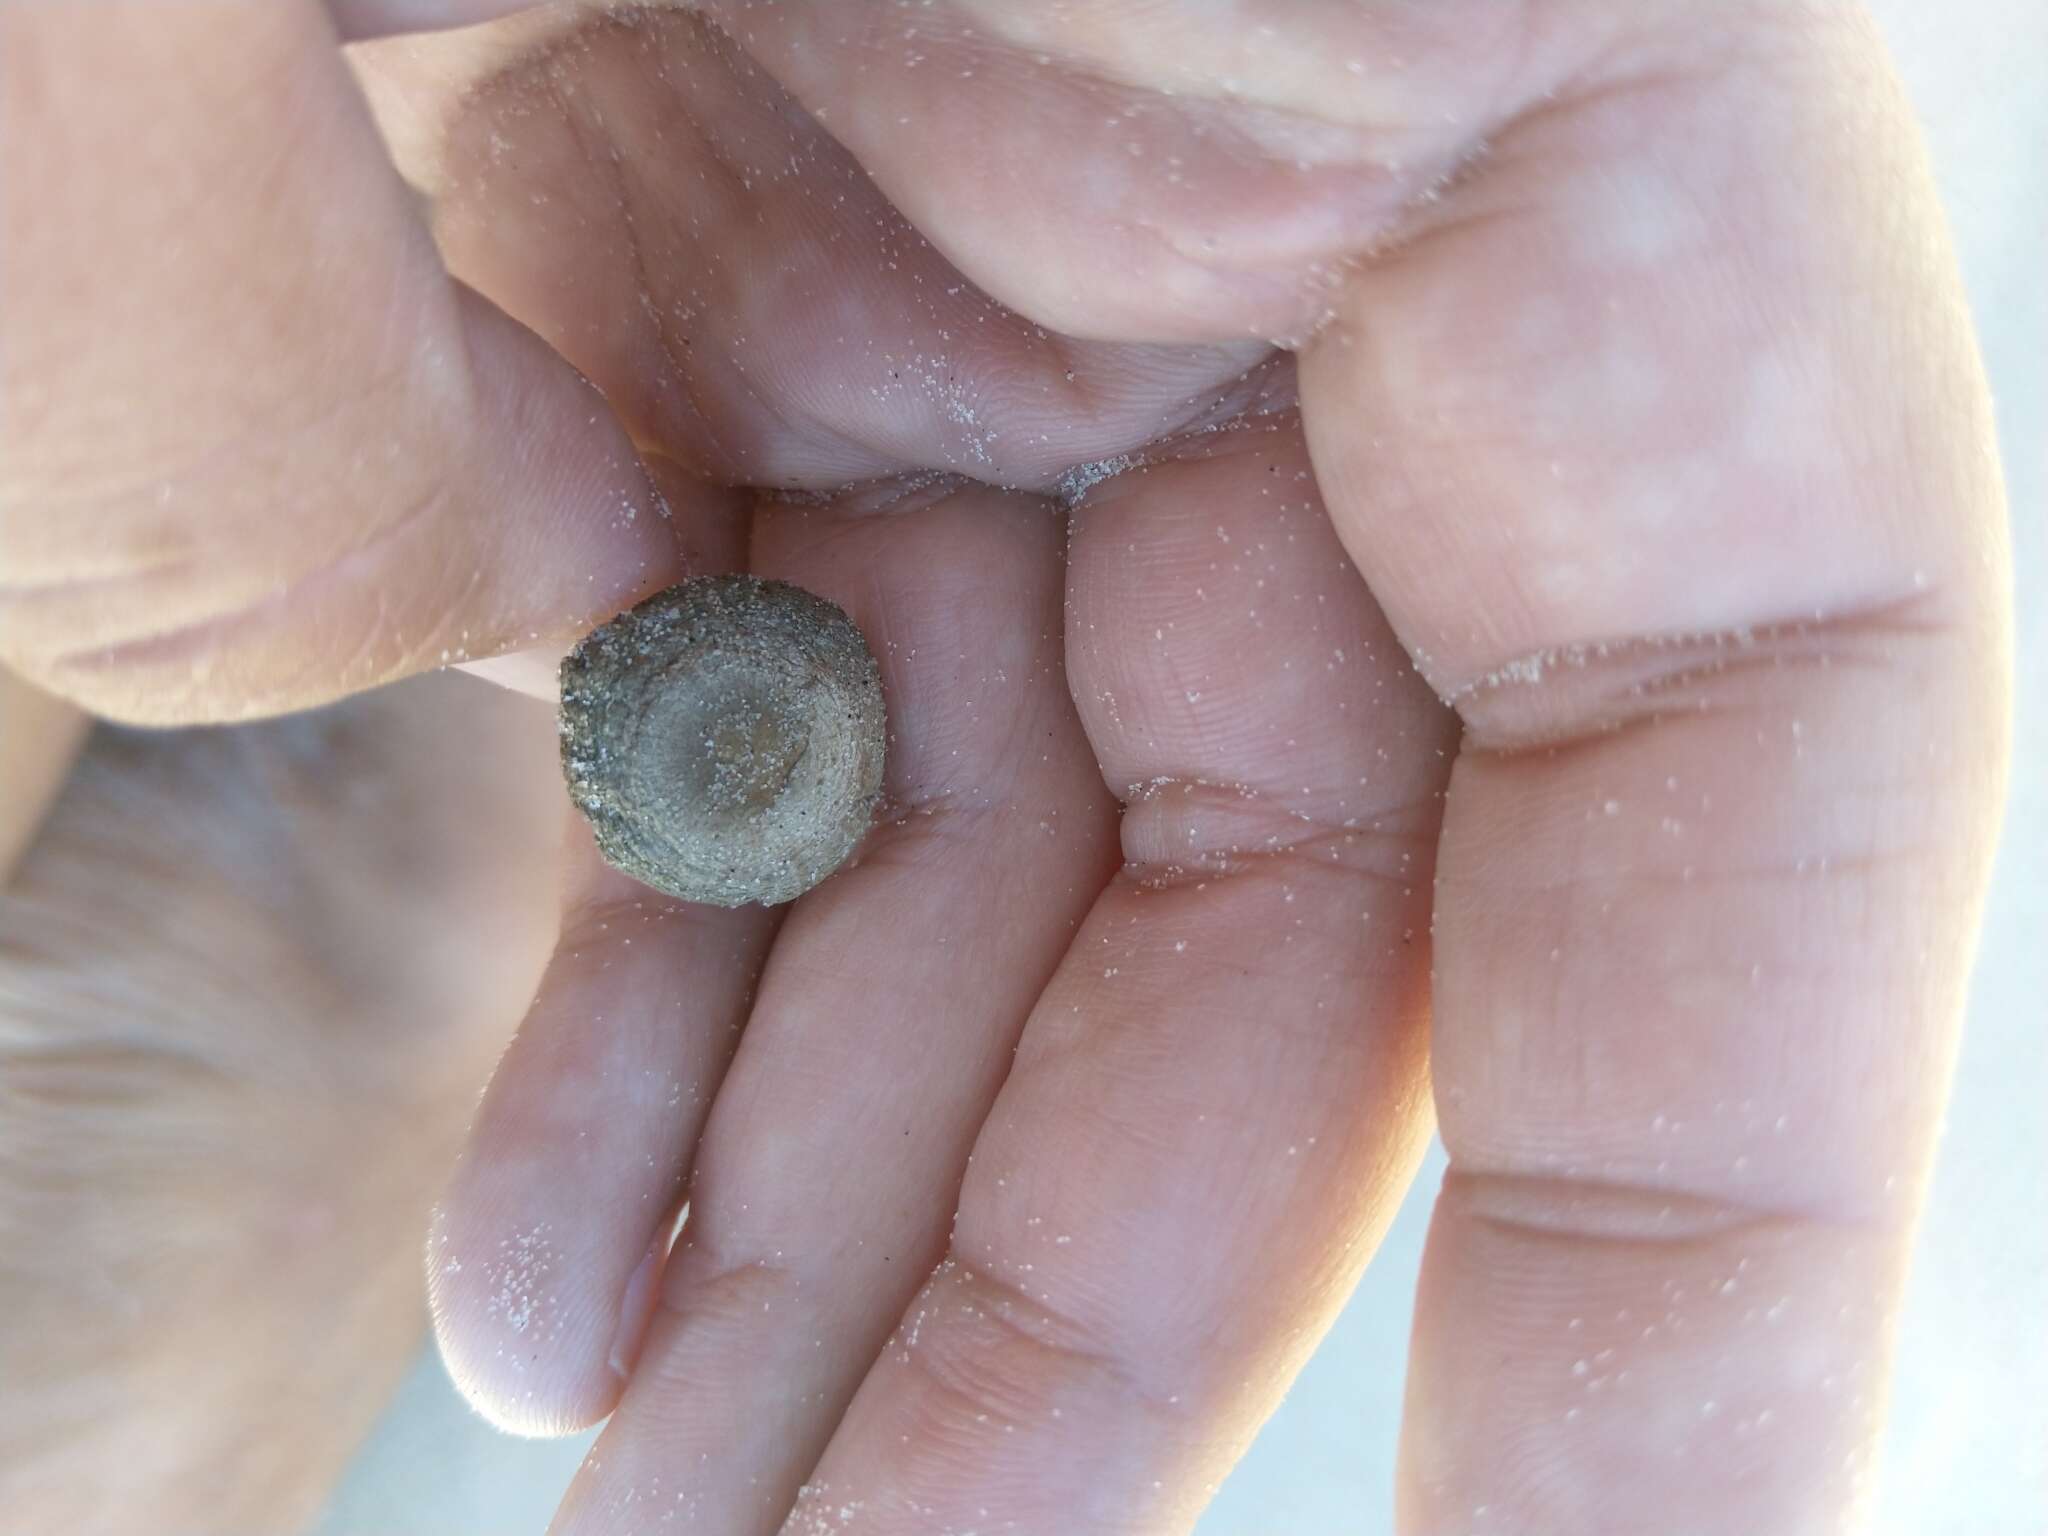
[1159,393]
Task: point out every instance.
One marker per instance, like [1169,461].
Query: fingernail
[636,1309]
[536,672]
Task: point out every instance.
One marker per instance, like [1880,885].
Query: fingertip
[521,1339]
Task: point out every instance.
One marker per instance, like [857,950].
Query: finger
[545,1250]
[634,187]
[259,450]
[1188,177]
[827,1177]
[550,1237]
[39,737]
[708,530]
[1220,1098]
[1679,476]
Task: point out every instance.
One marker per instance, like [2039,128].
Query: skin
[231,1080]
[39,735]
[1572,697]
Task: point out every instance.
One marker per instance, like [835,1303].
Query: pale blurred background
[1968,1450]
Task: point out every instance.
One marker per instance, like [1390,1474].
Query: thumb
[257,449]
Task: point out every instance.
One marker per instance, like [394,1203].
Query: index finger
[1665,446]
[256,448]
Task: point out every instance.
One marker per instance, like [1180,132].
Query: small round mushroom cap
[725,739]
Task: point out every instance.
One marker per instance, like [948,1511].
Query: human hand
[1632,379]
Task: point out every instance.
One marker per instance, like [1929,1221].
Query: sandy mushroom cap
[725,739]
